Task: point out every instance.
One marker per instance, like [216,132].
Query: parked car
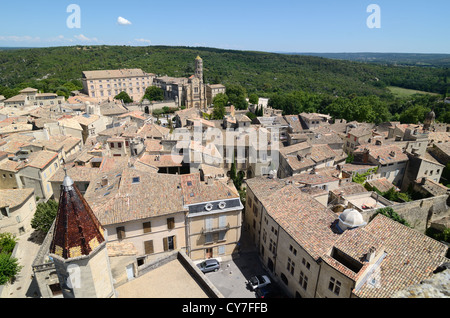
[264,292]
[209,265]
[269,292]
[258,281]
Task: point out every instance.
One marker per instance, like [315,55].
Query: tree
[220,101]
[390,213]
[44,216]
[154,93]
[9,267]
[237,96]
[253,99]
[124,97]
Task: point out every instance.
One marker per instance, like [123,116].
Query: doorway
[209,253]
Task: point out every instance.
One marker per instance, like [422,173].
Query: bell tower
[199,68]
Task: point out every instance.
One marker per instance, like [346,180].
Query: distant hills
[406,59]
[259,72]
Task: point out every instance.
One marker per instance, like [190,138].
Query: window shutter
[208,223]
[165,244]
[120,232]
[147,227]
[148,245]
[174,242]
[170,223]
[222,221]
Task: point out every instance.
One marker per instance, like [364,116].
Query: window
[293,250]
[170,223]
[111,145]
[136,180]
[148,247]
[147,227]
[272,246]
[334,286]
[307,265]
[120,232]
[290,266]
[169,243]
[303,281]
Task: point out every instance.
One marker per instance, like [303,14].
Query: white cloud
[15,38]
[84,38]
[123,21]
[143,41]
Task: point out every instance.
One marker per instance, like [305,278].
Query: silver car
[210,265]
[258,281]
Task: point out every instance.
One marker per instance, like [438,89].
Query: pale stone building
[31,97]
[17,208]
[313,252]
[104,85]
[188,92]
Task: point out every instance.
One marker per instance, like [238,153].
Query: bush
[390,213]
[7,243]
[9,268]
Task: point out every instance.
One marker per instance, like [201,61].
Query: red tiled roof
[77,231]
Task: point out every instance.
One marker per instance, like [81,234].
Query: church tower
[78,248]
[199,68]
[429,120]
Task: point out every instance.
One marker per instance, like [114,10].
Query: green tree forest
[295,83]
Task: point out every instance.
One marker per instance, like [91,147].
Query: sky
[321,26]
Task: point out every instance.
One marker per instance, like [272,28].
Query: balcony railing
[215,229]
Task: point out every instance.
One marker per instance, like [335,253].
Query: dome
[350,219]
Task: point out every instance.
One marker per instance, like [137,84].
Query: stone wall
[420,213]
[438,286]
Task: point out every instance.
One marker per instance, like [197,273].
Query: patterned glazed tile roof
[77,230]
[411,257]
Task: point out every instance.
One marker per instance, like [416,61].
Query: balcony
[215,229]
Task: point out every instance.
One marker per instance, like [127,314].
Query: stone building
[104,85]
[17,207]
[31,97]
[188,92]
[313,252]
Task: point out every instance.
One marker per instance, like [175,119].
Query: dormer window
[136,180]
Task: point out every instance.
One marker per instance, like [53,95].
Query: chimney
[366,156]
[370,256]
[104,181]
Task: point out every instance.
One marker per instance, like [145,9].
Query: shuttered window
[170,243]
[147,226]
[170,223]
[148,246]
[120,232]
